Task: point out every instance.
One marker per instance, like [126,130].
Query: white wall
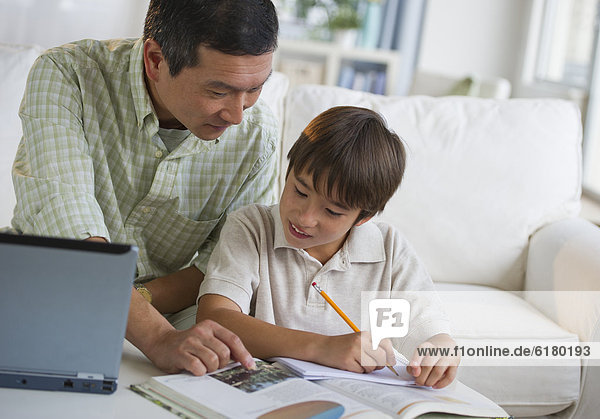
[485,37]
[54,22]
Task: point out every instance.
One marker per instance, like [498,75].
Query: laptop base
[58,383]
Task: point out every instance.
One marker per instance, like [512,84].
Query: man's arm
[202,348]
[265,340]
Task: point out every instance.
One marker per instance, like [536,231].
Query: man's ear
[154,61]
[361,222]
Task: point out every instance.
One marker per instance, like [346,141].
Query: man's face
[312,221]
[207,98]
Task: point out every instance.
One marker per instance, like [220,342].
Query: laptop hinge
[90,376]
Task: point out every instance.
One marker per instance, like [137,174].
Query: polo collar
[279,240]
[365,244]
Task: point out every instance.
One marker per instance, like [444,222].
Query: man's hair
[236,27]
[350,152]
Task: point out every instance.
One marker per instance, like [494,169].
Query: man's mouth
[219,127]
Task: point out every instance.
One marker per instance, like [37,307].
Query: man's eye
[217,94]
[300,193]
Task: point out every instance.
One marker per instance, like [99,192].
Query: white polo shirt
[255,267]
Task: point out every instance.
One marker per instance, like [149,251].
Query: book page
[312,371]
[413,401]
[267,392]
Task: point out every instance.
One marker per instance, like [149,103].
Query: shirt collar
[141,98]
[364,243]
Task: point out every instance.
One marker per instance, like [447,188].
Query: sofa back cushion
[15,62]
[273,93]
[482,175]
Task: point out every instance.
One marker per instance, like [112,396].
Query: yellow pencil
[342,315]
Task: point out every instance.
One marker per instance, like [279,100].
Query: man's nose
[234,109]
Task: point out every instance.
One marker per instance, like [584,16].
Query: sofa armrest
[563,275]
[563,281]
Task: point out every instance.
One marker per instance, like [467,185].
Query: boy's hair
[350,151]
[236,27]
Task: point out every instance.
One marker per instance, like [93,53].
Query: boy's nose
[307,217]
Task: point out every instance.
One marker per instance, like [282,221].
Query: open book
[271,391]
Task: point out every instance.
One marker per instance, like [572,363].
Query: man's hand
[205,347]
[430,367]
[202,348]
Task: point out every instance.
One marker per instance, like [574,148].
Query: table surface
[123,403]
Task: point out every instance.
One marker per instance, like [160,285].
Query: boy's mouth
[296,232]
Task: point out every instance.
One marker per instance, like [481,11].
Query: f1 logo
[389,318]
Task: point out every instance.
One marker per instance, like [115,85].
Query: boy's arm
[265,340]
[262,339]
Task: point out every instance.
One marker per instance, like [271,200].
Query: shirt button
[158,154]
[146,210]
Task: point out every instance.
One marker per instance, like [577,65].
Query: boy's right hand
[353,352]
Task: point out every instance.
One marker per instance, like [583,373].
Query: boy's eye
[333,213]
[217,94]
[300,193]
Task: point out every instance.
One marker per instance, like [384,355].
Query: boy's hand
[347,351]
[432,368]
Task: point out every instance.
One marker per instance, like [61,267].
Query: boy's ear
[361,222]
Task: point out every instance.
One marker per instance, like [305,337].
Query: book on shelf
[372,81]
[346,78]
[380,83]
[388,30]
[272,391]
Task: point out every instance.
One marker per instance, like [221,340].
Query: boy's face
[312,221]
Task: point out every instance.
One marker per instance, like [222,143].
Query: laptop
[63,312]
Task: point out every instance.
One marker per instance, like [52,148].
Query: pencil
[343,315]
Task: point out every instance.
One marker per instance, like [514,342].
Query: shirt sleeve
[412,282]
[53,173]
[260,187]
[233,268]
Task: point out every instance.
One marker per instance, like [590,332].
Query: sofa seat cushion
[493,317]
[482,175]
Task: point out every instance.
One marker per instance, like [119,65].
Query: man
[152,142]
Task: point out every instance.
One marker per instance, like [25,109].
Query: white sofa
[490,201]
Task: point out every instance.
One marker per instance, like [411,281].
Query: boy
[342,171]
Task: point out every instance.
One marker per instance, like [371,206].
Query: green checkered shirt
[91,162]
